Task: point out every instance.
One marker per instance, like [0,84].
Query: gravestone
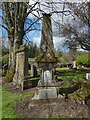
[21,65]
[33,67]
[32,71]
[46,62]
[74,65]
[88,76]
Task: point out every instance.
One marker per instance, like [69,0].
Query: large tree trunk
[15,16]
[12,53]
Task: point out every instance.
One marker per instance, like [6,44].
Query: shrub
[9,76]
[83,59]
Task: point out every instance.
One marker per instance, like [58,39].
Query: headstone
[74,64]
[32,71]
[21,65]
[87,76]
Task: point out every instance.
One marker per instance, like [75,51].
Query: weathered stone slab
[87,76]
[47,93]
[21,65]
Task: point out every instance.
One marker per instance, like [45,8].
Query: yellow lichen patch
[46,59]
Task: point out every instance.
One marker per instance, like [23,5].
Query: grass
[72,77]
[36,78]
[9,100]
[62,69]
[67,74]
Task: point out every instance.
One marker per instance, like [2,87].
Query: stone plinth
[47,93]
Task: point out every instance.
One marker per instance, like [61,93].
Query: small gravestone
[32,71]
[74,65]
[87,76]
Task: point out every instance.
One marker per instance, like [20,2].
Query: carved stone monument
[47,61]
[21,65]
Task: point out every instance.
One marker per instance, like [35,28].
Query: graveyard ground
[13,99]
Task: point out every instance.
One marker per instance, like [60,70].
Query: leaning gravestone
[21,65]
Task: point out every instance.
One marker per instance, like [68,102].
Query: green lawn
[71,77]
[9,100]
[67,74]
[62,69]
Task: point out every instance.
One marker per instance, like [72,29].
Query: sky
[35,36]
[57,40]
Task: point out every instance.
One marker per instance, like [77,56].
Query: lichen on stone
[46,59]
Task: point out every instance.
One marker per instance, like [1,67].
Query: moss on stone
[46,59]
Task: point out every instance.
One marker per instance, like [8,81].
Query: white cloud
[37,39]
[82,50]
[58,42]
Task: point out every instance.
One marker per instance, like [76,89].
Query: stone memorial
[21,65]
[74,65]
[87,76]
[46,62]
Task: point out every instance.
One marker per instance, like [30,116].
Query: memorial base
[45,93]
